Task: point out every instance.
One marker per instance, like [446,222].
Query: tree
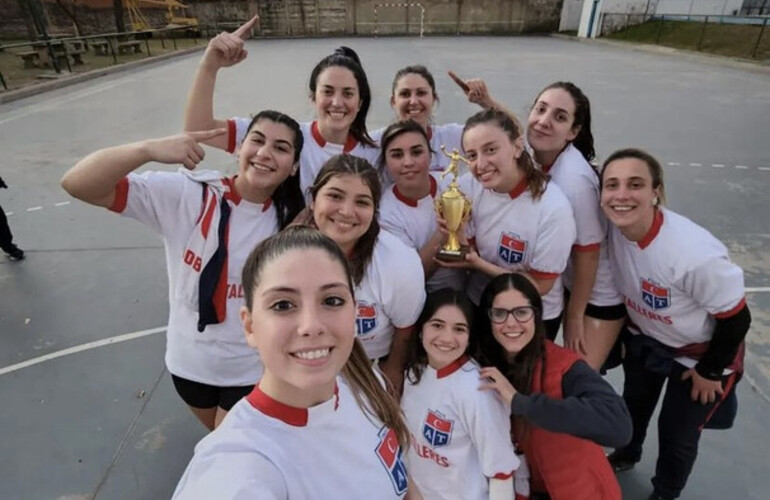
[117,8]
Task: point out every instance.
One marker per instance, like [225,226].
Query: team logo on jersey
[437,430]
[366,317]
[511,248]
[389,452]
[655,296]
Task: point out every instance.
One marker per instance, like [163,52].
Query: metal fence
[737,36]
[23,63]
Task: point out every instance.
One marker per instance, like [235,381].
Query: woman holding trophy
[519,221]
[408,206]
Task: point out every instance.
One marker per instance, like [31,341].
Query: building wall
[700,7]
[325,17]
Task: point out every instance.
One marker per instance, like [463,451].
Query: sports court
[89,411]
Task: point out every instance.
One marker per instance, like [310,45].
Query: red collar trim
[232,194]
[349,145]
[657,222]
[520,188]
[429,132]
[452,367]
[297,417]
[413,203]
[547,168]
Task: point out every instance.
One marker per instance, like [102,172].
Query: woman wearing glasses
[562,411]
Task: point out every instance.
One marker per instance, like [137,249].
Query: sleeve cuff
[121,196]
[732,312]
[543,275]
[503,475]
[591,247]
[231,133]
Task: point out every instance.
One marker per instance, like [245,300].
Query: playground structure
[175,15]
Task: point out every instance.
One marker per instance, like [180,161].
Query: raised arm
[223,51]
[93,179]
[476,91]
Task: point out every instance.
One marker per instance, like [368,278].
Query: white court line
[80,348]
[717,165]
[61,203]
[34,209]
[153,331]
[764,168]
[47,105]
[674,163]
[695,165]
[8,214]
[742,167]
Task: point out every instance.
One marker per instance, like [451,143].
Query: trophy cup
[455,208]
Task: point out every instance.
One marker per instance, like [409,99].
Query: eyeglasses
[522,314]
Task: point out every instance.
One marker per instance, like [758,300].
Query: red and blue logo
[655,296]
[437,430]
[389,453]
[511,248]
[366,318]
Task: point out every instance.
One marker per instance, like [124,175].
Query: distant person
[6,238]
[687,306]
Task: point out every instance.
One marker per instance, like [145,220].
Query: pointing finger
[205,135]
[245,30]
[459,81]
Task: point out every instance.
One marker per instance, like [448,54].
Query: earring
[655,201]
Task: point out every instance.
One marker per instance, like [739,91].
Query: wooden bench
[101,48]
[75,55]
[30,58]
[130,47]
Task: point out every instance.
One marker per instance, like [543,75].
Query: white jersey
[170,204]
[460,435]
[315,151]
[414,222]
[515,232]
[448,135]
[580,184]
[267,450]
[676,280]
[390,295]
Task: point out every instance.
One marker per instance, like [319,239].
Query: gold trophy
[454,207]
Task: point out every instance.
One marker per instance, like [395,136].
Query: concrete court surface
[103,420]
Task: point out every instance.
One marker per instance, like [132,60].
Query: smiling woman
[390,287]
[338,88]
[312,421]
[209,223]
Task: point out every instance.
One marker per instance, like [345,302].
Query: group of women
[377,375]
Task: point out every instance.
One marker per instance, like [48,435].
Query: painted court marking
[716,165]
[144,333]
[80,348]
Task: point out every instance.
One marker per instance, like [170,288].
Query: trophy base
[452,255]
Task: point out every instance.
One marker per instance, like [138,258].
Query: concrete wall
[570,15]
[327,17]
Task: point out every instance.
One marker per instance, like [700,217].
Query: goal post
[379,6]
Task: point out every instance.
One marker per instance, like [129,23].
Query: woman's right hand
[181,148]
[226,49]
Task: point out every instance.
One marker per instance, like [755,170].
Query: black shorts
[606,313]
[199,395]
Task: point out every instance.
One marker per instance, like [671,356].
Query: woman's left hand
[703,389]
[492,379]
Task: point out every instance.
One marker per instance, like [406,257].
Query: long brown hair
[369,393]
[521,371]
[537,181]
[346,164]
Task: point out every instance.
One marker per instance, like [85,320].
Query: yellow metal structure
[174,15]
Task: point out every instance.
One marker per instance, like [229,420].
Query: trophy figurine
[455,208]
